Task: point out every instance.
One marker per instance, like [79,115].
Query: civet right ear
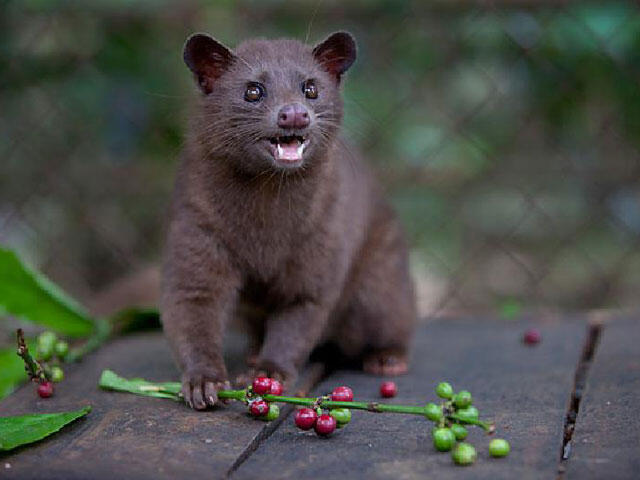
[207,58]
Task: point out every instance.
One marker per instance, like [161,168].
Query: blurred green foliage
[12,372]
[27,294]
[507,136]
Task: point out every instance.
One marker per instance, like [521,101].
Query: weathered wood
[524,389]
[127,436]
[606,439]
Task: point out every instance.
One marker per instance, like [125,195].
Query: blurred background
[506,133]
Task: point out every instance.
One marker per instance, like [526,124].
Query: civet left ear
[207,58]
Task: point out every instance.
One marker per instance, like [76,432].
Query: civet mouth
[288,149]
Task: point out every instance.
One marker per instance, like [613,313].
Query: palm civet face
[269,104]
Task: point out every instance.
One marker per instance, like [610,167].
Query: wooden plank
[127,436]
[607,434]
[524,389]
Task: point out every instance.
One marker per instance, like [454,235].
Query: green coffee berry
[47,338]
[443,439]
[444,390]
[44,352]
[342,416]
[469,413]
[272,414]
[433,412]
[462,399]
[61,348]
[499,447]
[44,345]
[464,454]
[459,431]
[57,374]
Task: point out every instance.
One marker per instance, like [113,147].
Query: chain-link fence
[507,134]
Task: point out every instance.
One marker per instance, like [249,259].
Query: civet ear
[336,54]
[207,58]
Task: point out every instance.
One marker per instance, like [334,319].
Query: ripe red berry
[306,418]
[388,389]
[532,336]
[45,389]
[276,388]
[259,408]
[261,385]
[325,425]
[342,394]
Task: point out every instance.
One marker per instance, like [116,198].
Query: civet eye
[254,92]
[309,89]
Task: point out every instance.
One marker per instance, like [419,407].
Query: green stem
[111,380]
[368,406]
[101,334]
[240,395]
[487,427]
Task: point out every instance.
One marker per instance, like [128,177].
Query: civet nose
[293,115]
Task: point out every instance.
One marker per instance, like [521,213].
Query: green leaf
[11,371]
[23,429]
[111,381]
[28,294]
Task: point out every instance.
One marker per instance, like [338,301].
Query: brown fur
[313,253]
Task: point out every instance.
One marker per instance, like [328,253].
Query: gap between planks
[594,332]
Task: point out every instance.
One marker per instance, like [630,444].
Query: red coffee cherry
[261,385]
[259,408]
[45,389]
[388,389]
[276,387]
[532,336]
[305,418]
[325,425]
[342,394]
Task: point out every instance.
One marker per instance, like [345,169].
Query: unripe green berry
[44,352]
[444,390]
[61,348]
[47,338]
[459,431]
[274,412]
[57,375]
[342,416]
[443,439]
[433,412]
[464,454]
[469,413]
[44,345]
[462,399]
[499,447]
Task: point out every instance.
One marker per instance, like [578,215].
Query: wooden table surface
[528,391]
